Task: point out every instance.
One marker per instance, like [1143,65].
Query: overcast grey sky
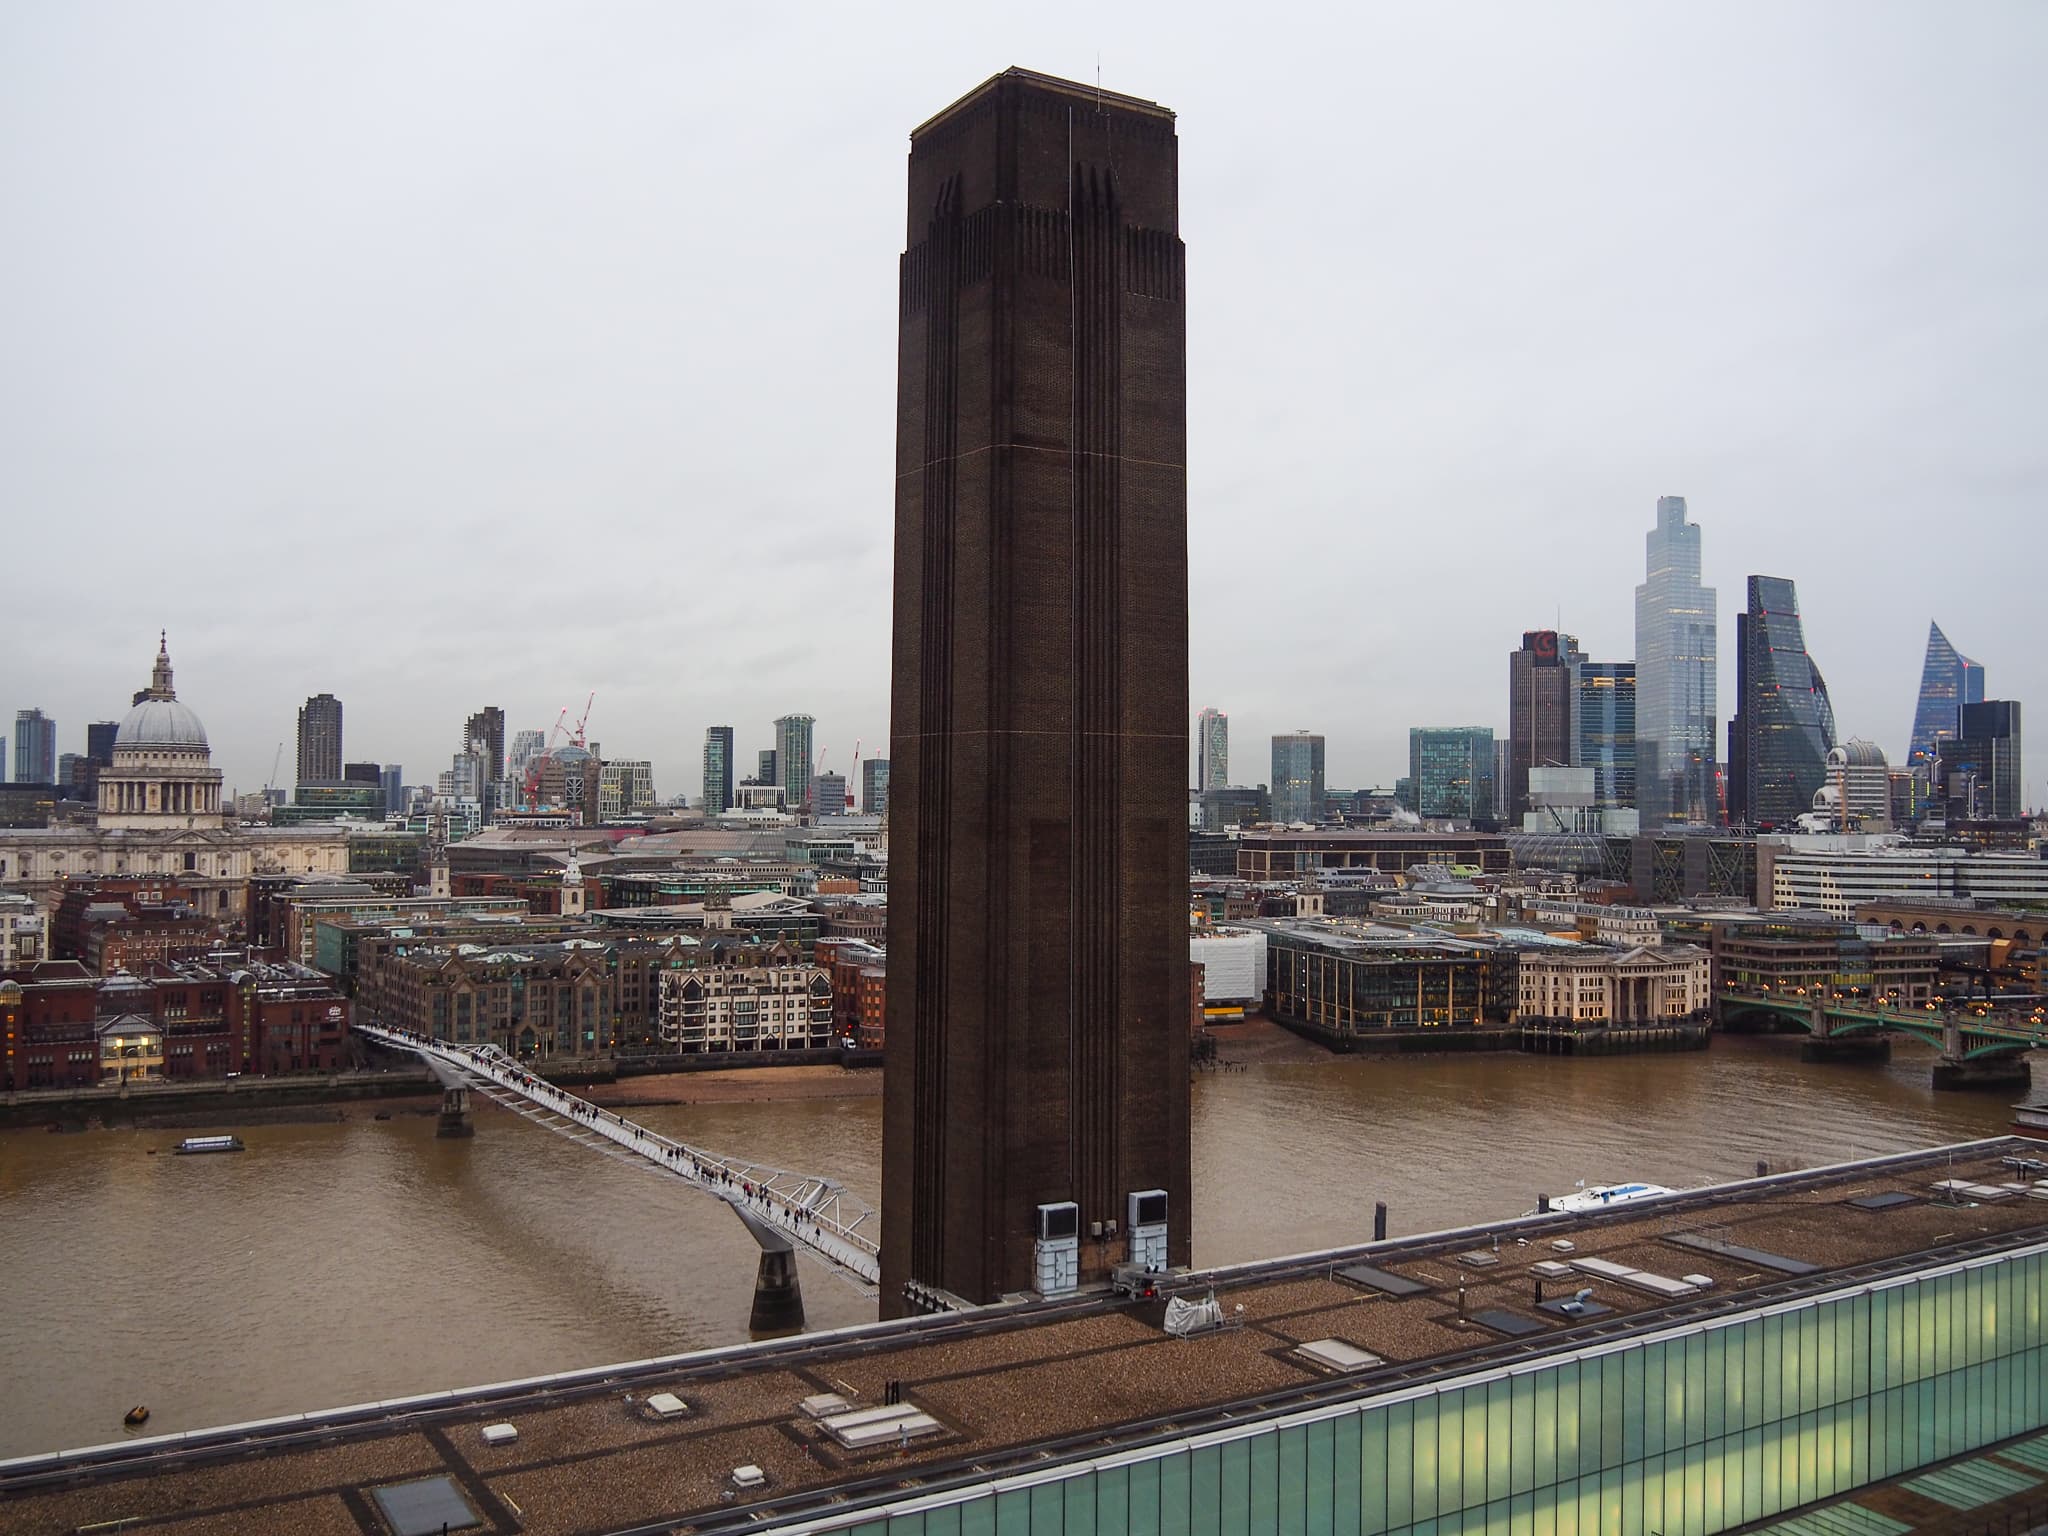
[446,355]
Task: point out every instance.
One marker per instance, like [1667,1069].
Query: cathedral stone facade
[160,813]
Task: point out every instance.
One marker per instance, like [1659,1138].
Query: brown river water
[344,1262]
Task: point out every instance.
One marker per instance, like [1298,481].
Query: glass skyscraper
[717,769]
[35,747]
[793,758]
[1605,718]
[1676,705]
[1977,773]
[1450,771]
[1784,724]
[1542,684]
[1948,681]
[1298,777]
[1212,750]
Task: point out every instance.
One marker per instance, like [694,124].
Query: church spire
[160,680]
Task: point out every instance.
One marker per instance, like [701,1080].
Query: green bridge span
[1977,1045]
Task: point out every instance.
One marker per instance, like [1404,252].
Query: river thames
[360,1259]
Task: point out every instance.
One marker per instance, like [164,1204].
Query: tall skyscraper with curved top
[1677,710]
[1035,1129]
[1948,681]
[1784,725]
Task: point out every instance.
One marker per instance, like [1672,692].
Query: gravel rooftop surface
[587,1460]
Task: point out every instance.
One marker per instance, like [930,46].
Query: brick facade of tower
[1038,936]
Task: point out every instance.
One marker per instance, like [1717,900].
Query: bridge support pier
[2003,1073]
[1846,1048]
[778,1297]
[455,1119]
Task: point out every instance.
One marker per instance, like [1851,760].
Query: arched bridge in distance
[1978,1045]
[783,1210]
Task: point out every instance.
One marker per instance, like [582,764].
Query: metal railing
[811,1210]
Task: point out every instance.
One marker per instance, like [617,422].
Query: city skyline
[1828,390]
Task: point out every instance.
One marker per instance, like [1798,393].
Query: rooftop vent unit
[1336,1355]
[666,1405]
[865,1428]
[822,1405]
[749,1476]
[500,1434]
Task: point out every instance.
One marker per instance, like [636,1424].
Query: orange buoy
[136,1415]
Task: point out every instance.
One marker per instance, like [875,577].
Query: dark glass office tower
[320,740]
[1298,785]
[1977,771]
[1784,725]
[1450,771]
[1948,681]
[1541,702]
[717,769]
[1606,725]
[1038,953]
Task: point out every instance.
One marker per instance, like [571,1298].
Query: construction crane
[530,791]
[276,762]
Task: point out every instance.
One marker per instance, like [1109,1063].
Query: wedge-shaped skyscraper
[1948,681]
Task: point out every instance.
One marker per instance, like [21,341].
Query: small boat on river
[192,1144]
[1599,1197]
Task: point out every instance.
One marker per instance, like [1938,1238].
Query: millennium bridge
[784,1211]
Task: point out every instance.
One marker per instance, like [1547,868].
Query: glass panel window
[1205,1491]
[1112,1501]
[1175,1505]
[1533,1458]
[1141,1500]
[1401,1465]
[1362,1443]
[1234,1487]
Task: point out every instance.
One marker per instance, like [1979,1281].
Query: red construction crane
[530,791]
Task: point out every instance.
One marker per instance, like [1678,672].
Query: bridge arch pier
[455,1120]
[2003,1072]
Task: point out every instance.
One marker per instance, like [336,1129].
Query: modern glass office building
[35,748]
[1977,771]
[717,769]
[1605,719]
[1784,724]
[1298,777]
[1948,681]
[1450,772]
[1677,710]
[793,756]
[1688,1432]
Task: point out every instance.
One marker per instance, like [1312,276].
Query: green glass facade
[1683,1433]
